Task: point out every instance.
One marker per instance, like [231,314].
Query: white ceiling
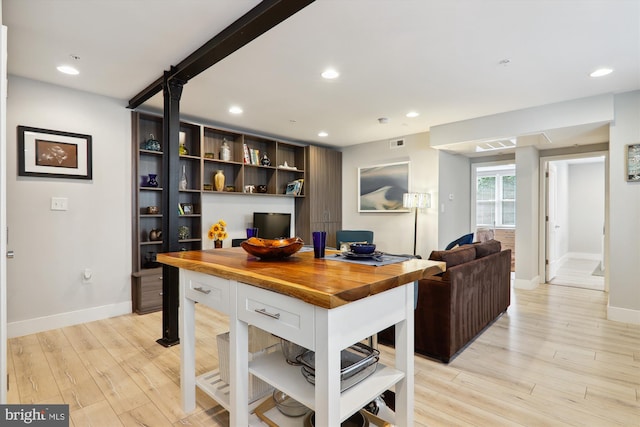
[441,58]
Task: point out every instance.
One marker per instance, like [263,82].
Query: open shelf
[273,369]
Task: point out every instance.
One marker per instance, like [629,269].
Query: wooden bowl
[272,248]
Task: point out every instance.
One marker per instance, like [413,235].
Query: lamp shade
[416,200]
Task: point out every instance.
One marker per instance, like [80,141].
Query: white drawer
[208,290]
[284,316]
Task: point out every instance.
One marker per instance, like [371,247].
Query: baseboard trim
[625,315]
[526,284]
[46,323]
[582,255]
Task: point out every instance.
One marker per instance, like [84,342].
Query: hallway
[579,272]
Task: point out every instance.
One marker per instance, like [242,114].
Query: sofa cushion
[487,248]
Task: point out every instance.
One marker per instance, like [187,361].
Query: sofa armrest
[433,317]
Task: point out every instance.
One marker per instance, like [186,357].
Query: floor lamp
[416,201]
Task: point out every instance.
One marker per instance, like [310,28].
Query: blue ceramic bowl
[362,248]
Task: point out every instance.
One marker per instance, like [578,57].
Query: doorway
[574,221]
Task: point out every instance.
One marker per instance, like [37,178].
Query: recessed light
[235,110]
[323,134]
[412,114]
[601,72]
[330,73]
[68,69]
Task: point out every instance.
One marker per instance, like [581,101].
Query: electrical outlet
[59,204]
[87,275]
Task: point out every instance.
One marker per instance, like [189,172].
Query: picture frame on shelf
[186,209]
[380,187]
[633,163]
[54,154]
[294,187]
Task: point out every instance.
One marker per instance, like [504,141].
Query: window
[496,196]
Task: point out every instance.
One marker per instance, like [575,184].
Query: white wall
[586,208]
[527,207]
[393,232]
[52,248]
[237,211]
[454,184]
[623,269]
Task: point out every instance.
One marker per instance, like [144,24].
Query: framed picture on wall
[53,154]
[380,187]
[633,162]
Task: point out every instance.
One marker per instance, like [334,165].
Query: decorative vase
[152,180]
[182,149]
[265,161]
[218,180]
[225,151]
[183,178]
[217,244]
[151,144]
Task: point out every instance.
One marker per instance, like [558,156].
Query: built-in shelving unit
[243,170]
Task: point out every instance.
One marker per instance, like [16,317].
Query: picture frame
[632,158]
[294,187]
[186,208]
[380,187]
[54,154]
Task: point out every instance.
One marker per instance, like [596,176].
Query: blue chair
[464,240]
[349,236]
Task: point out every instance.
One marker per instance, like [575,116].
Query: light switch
[59,204]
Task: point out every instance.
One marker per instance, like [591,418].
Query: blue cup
[319,243]
[252,232]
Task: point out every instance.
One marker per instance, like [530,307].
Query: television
[272,225]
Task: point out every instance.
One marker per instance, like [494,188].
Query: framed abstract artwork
[52,153]
[380,187]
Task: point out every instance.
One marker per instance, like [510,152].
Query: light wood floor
[551,360]
[578,272]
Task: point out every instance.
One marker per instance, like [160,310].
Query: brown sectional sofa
[455,306]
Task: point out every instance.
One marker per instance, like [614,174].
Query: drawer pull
[203,290]
[266,313]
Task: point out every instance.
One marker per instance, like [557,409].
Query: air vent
[396,143]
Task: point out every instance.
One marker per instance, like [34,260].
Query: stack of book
[251,155]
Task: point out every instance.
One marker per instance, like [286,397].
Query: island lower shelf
[273,369]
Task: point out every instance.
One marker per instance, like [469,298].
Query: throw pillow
[487,248]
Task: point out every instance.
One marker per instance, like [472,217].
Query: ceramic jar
[225,151]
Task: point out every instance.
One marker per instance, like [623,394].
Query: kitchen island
[320,304]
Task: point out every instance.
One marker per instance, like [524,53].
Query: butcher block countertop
[321,282]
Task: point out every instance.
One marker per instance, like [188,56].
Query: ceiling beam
[266,15]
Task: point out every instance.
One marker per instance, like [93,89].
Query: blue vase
[152,180]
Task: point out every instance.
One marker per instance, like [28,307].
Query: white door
[3,215]
[552,226]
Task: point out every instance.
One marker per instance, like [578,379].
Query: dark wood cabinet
[321,209]
[147,290]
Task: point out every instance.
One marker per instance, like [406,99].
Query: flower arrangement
[218,232]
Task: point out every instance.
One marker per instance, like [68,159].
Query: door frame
[542,228]
[3,215]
